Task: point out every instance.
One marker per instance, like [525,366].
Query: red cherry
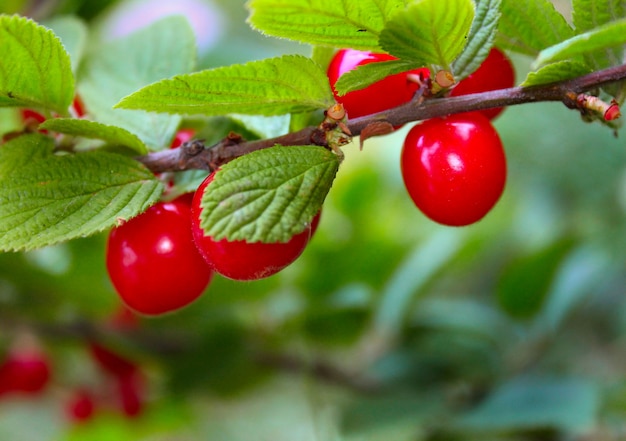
[241,260]
[81,406]
[181,137]
[131,394]
[496,72]
[382,95]
[111,362]
[26,372]
[78,107]
[153,262]
[454,168]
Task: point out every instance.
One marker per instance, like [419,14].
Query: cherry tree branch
[195,155]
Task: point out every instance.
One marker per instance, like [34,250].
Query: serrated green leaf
[268,195]
[47,198]
[73,34]
[528,27]
[603,37]
[353,24]
[559,71]
[119,68]
[35,69]
[480,40]
[274,86]
[370,73]
[429,31]
[115,136]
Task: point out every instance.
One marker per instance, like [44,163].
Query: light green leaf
[530,26]
[352,24]
[274,86]
[536,402]
[603,37]
[119,68]
[370,73]
[559,71]
[47,198]
[590,14]
[268,195]
[480,40]
[264,126]
[73,34]
[429,31]
[35,69]
[115,136]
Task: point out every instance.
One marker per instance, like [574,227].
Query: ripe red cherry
[496,72]
[454,168]
[153,262]
[382,95]
[241,260]
[81,406]
[25,372]
[182,136]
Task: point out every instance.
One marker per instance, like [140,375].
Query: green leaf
[353,24]
[370,73]
[47,198]
[115,136]
[524,284]
[534,403]
[35,69]
[590,14]
[264,126]
[268,195]
[559,71]
[530,26]
[429,31]
[274,86]
[119,68]
[73,34]
[480,40]
[607,36]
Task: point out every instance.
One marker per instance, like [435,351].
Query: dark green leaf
[273,86]
[35,69]
[268,195]
[429,31]
[353,24]
[530,26]
[480,40]
[47,198]
[115,136]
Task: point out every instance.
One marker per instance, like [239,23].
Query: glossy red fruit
[496,72]
[78,107]
[181,137]
[153,262]
[240,260]
[24,372]
[382,95]
[110,361]
[130,390]
[81,406]
[454,168]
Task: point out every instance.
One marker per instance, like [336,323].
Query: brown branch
[195,155]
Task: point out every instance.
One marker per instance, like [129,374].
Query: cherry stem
[195,155]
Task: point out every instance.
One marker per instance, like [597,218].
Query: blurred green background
[389,327]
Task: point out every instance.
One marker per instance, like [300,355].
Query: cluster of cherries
[454,168]
[161,260]
[26,371]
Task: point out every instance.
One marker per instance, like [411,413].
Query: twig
[196,155]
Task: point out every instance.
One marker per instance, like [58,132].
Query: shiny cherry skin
[454,168]
[153,262]
[182,136]
[241,260]
[24,372]
[496,72]
[382,95]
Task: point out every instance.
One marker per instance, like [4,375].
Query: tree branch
[195,155]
